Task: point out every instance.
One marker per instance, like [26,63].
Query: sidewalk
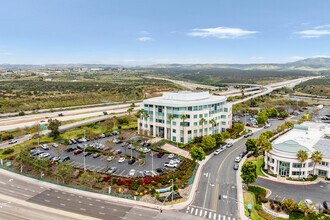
[285,181]
[176,150]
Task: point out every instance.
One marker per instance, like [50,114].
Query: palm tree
[140,114]
[170,117]
[129,113]
[213,122]
[203,120]
[302,157]
[266,148]
[146,116]
[183,118]
[317,157]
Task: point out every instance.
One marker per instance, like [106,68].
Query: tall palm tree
[203,120]
[213,122]
[129,110]
[183,118]
[317,157]
[266,148]
[302,157]
[140,114]
[146,116]
[170,117]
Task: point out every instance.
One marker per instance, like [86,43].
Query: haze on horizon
[144,32]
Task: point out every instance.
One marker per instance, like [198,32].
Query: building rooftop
[290,146]
[310,135]
[185,98]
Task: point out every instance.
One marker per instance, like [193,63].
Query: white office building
[310,137]
[195,105]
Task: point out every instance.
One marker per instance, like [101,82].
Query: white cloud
[221,32]
[257,58]
[315,32]
[296,58]
[321,56]
[145,39]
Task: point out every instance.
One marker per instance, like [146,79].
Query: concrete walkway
[176,150]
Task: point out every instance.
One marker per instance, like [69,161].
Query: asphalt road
[317,193]
[219,178]
[34,192]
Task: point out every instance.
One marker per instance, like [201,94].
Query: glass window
[205,115]
[210,129]
[174,138]
[205,106]
[200,115]
[226,109]
[182,140]
[323,163]
[175,116]
[195,108]
[189,131]
[223,123]
[200,123]
[146,105]
[310,164]
[195,131]
[189,108]
[174,123]
[145,125]
[176,109]
[174,130]
[151,119]
[188,116]
[223,116]
[195,123]
[169,108]
[182,108]
[195,116]
[296,173]
[200,107]
[150,106]
[205,129]
[296,165]
[181,132]
[200,130]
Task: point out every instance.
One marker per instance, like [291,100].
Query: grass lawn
[247,199]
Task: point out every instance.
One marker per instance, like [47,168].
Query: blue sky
[137,32]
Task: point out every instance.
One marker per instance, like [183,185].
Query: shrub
[278,208]
[272,207]
[8,151]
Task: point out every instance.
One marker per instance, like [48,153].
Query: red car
[281,118]
[77,152]
[160,154]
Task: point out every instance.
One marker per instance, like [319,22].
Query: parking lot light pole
[152,161]
[84,160]
[172,192]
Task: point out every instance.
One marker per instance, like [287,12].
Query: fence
[192,178]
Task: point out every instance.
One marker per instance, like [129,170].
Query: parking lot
[101,164]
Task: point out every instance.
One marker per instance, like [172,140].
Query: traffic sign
[249,206]
[8,164]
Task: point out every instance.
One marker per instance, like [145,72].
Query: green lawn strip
[254,215]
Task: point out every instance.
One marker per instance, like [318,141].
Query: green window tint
[151,106]
[189,108]
[205,106]
[195,108]
[195,123]
[226,109]
[175,116]
[205,129]
[195,131]
[200,115]
[210,129]
[209,106]
[223,116]
[174,123]
[200,130]
[176,109]
[174,138]
[182,108]
[200,123]
[181,132]
[182,140]
[205,115]
[200,107]
[145,125]
[188,116]
[145,105]
[223,123]
[151,120]
[169,108]
[189,131]
[195,116]
[174,130]
[168,122]
[189,139]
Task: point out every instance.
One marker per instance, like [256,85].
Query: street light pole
[152,161]
[84,160]
[172,192]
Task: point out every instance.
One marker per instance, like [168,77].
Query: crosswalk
[206,213]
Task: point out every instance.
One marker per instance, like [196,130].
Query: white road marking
[3,183]
[90,198]
[58,197]
[47,200]
[68,199]
[79,201]
[90,204]
[82,209]
[210,214]
[188,208]
[97,200]
[49,194]
[201,213]
[196,211]
[101,213]
[62,204]
[207,186]
[192,210]
[214,216]
[205,214]
[102,207]
[114,210]
[219,217]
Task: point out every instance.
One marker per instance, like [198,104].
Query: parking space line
[122,172]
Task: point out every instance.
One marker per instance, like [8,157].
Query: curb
[289,183]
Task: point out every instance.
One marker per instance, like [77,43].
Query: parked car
[73,141]
[118,151]
[76,152]
[170,165]
[37,152]
[110,158]
[112,170]
[131,172]
[160,170]
[70,149]
[122,159]
[238,159]
[147,173]
[245,152]
[217,152]
[223,148]
[55,159]
[102,135]
[86,154]
[54,145]
[236,166]
[146,150]
[326,205]
[96,155]
[229,145]
[267,125]
[281,118]
[61,114]
[44,146]
[12,141]
[44,155]
[170,156]
[64,159]
[309,204]
[160,154]
[248,134]
[131,161]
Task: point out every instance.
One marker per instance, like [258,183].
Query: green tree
[262,118]
[129,110]
[238,128]
[249,172]
[91,179]
[317,158]
[273,113]
[225,135]
[183,118]
[251,144]
[203,120]
[302,157]
[133,105]
[197,153]
[63,169]
[208,142]
[84,177]
[40,165]
[53,126]
[218,138]
[170,118]
[213,122]
[24,157]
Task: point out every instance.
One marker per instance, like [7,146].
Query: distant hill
[318,62]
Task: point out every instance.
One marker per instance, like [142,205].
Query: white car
[44,146]
[229,145]
[217,152]
[170,165]
[110,158]
[44,155]
[131,172]
[309,204]
[122,159]
[54,145]
[170,156]
[223,148]
[237,159]
[145,150]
